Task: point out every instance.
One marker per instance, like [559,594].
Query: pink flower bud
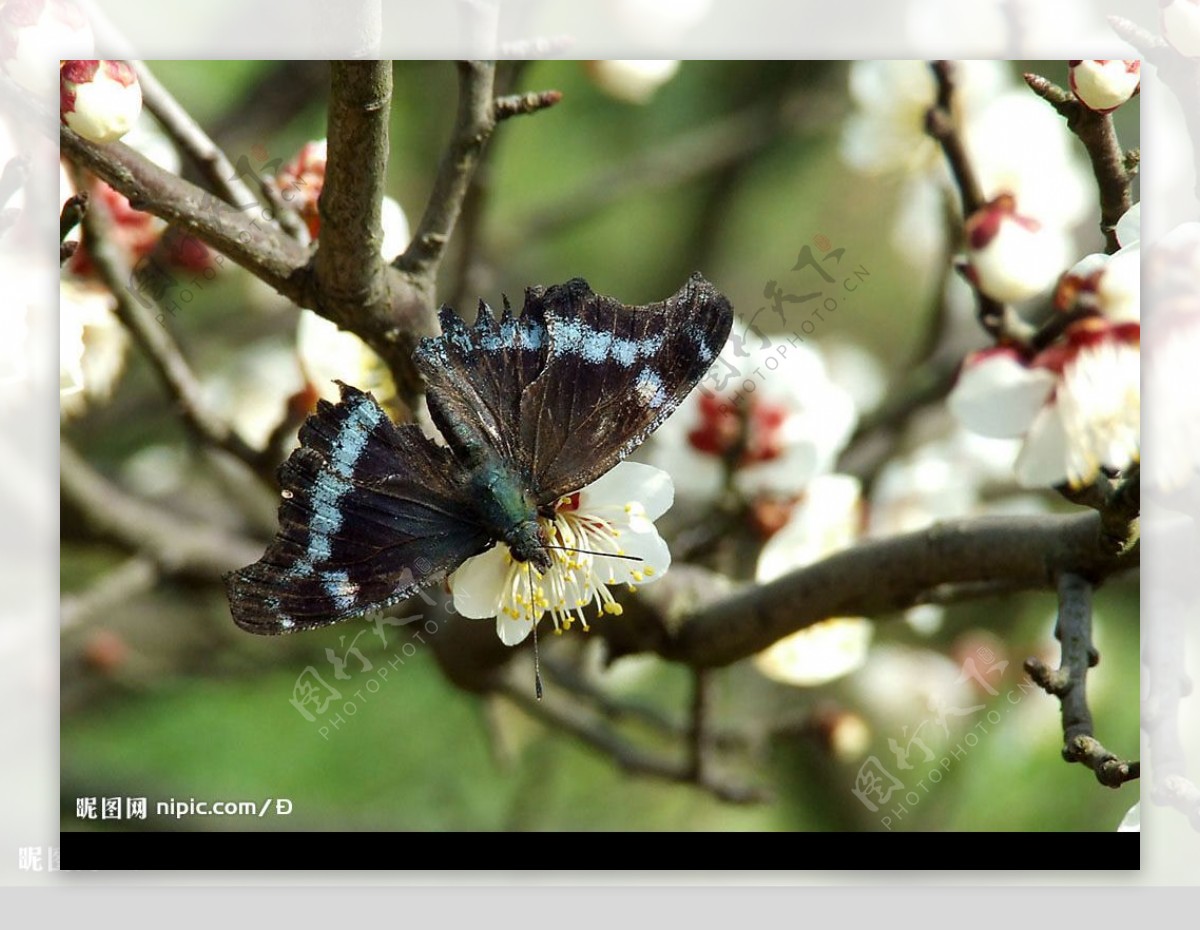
[1010,256]
[100,100]
[1106,83]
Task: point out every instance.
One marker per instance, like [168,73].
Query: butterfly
[532,407]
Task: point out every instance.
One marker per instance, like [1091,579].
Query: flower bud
[1181,25]
[1010,256]
[100,100]
[1104,84]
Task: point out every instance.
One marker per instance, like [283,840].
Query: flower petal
[818,653]
[478,584]
[998,396]
[1043,458]
[628,482]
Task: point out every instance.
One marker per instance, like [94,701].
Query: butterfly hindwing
[612,375]
[370,512]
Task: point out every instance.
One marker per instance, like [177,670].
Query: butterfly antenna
[607,555]
[537,666]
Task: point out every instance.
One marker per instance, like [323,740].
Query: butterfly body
[509,512]
[532,407]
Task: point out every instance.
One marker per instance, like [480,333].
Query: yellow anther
[649,570]
[612,607]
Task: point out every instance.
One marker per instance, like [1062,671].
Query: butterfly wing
[475,377]
[370,513]
[613,373]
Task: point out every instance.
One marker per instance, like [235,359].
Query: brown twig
[941,125]
[114,590]
[266,252]
[1096,132]
[1068,683]
[519,104]
[569,717]
[178,546]
[189,138]
[161,351]
[1099,138]
[879,576]
[727,140]
[473,126]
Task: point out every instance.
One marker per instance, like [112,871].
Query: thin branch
[256,246]
[264,251]
[941,125]
[114,590]
[164,355]
[72,214]
[569,717]
[1096,132]
[1069,683]
[348,265]
[68,219]
[178,546]
[877,576]
[698,723]
[187,135]
[472,128]
[727,140]
[520,104]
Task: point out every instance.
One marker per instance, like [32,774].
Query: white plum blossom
[827,519]
[1109,284]
[767,410]
[632,81]
[1181,25]
[608,537]
[92,345]
[1106,83]
[1017,144]
[100,100]
[1077,405]
[1010,256]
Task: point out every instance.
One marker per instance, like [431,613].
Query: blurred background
[644,173]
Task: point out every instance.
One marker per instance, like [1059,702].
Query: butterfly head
[527,541]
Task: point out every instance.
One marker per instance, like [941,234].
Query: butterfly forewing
[475,377]
[612,375]
[370,512]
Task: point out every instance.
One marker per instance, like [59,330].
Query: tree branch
[164,355]
[940,124]
[874,577]
[473,127]
[727,140]
[348,265]
[259,248]
[570,718]
[1096,132]
[187,135]
[1069,683]
[265,252]
[179,547]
